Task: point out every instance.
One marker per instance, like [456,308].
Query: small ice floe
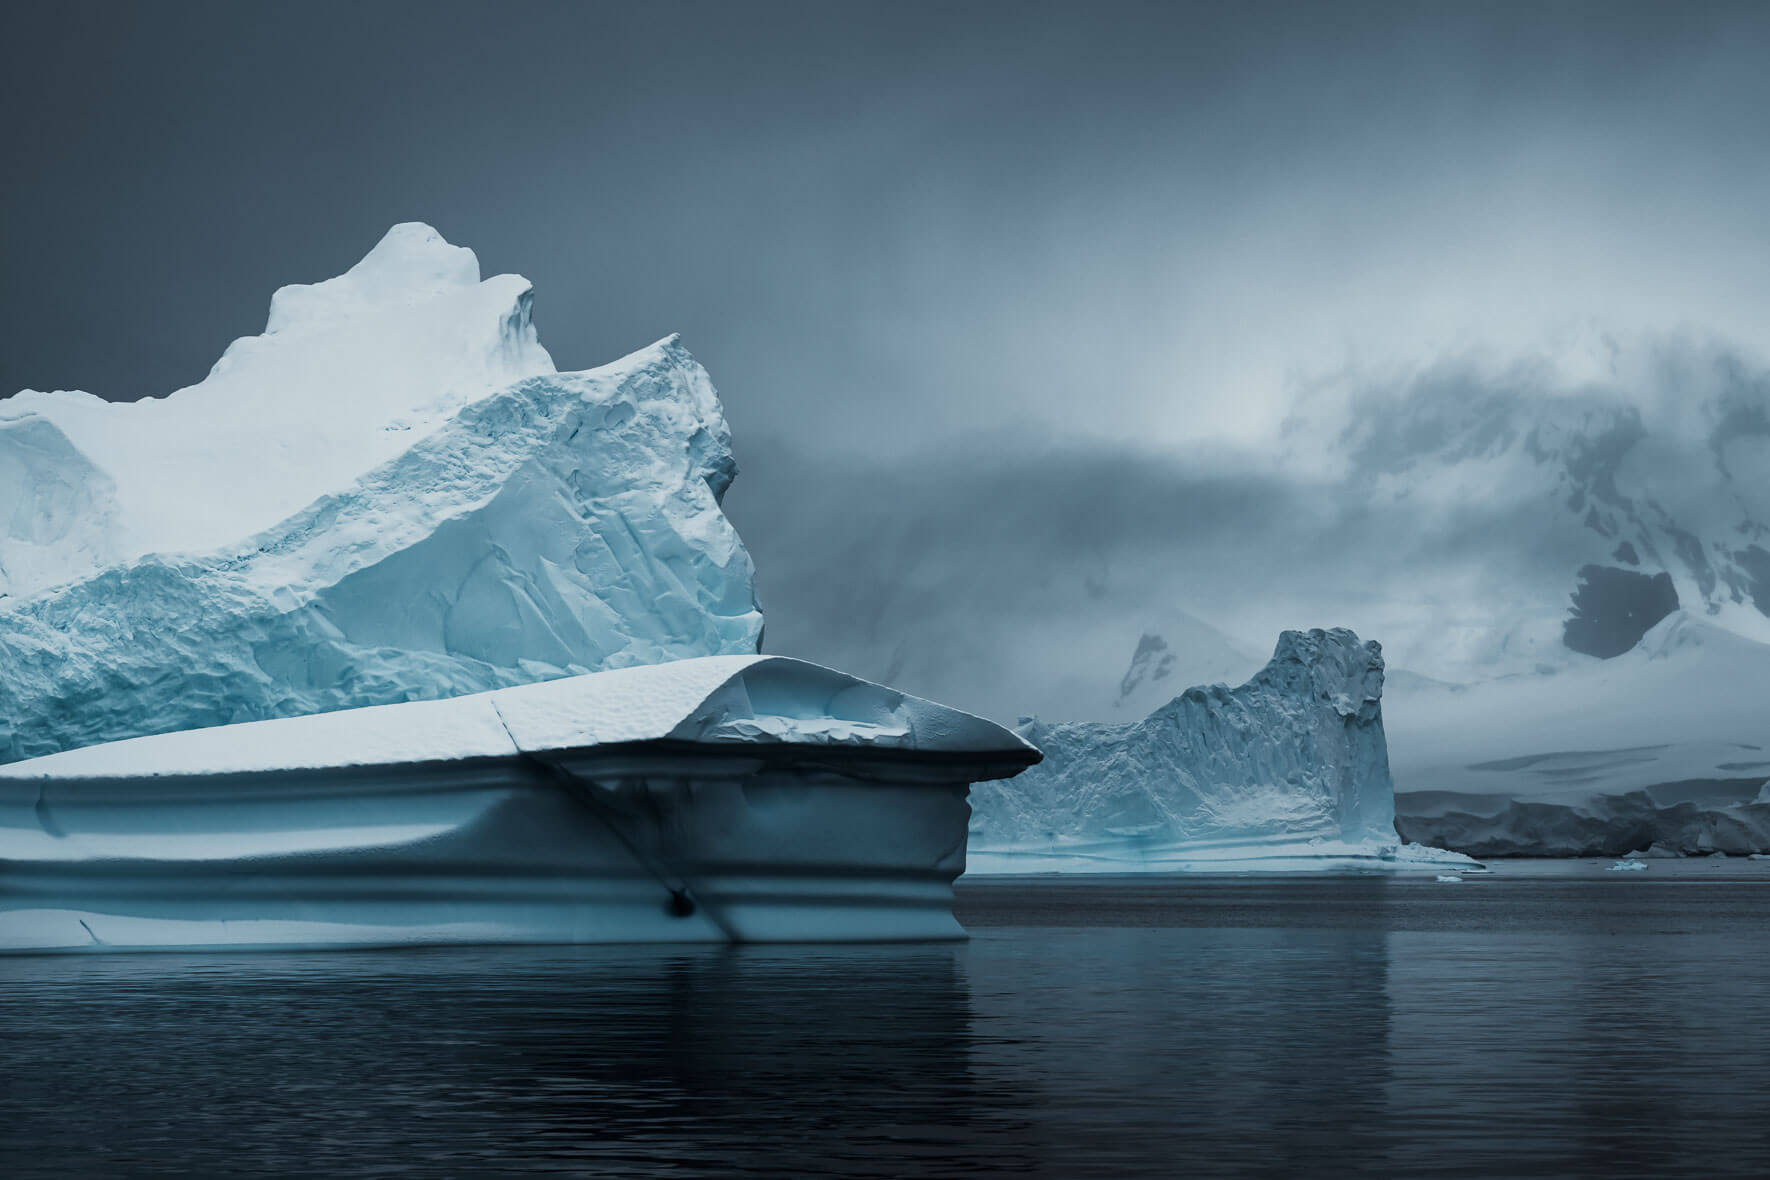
[1627,866]
[1449,879]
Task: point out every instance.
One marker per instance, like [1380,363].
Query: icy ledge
[1288,772]
[728,798]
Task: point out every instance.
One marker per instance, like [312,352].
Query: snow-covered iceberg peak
[389,496]
[347,373]
[1289,770]
[412,262]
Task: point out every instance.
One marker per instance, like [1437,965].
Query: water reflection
[1156,1028]
[1208,1052]
[684,1061]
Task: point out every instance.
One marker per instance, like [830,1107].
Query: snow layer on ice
[387,496]
[346,375]
[720,699]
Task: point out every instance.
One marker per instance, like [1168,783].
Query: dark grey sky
[873,221]
[1107,229]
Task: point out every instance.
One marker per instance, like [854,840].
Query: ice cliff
[1289,770]
[388,495]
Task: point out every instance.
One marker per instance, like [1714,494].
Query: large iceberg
[387,632]
[726,798]
[388,495]
[1290,770]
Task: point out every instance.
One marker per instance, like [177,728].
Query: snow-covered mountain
[1667,744]
[388,495]
[1290,770]
[1600,595]
[1024,671]
[1536,521]
[1174,651]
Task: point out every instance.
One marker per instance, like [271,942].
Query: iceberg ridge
[518,524]
[1290,770]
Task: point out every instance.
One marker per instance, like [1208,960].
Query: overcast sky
[1135,229]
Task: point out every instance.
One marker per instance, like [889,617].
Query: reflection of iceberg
[722,798]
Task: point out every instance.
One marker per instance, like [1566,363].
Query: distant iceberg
[728,798]
[389,495]
[1288,771]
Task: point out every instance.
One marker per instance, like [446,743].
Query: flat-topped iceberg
[389,495]
[724,798]
[1288,771]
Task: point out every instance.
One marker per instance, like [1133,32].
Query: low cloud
[1418,510]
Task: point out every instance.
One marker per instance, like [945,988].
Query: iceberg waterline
[726,798]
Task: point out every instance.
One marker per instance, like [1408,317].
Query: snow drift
[388,495]
[1290,770]
[724,798]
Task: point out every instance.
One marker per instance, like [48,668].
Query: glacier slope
[1290,770]
[1668,744]
[502,532]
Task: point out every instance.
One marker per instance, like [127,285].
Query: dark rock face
[1603,825]
[1613,608]
[1754,565]
[1151,661]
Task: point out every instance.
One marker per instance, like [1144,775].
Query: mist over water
[1518,1025]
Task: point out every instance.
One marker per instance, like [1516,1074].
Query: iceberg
[1288,771]
[387,632]
[723,798]
[389,495]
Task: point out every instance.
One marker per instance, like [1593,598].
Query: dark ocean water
[1572,1024]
